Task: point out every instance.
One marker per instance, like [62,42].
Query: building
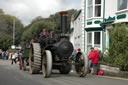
[76,30]
[98,17]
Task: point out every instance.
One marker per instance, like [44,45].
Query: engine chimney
[64,15]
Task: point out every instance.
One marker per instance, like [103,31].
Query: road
[11,75]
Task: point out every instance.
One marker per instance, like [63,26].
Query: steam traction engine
[54,53]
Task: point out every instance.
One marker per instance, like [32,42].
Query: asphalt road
[11,75]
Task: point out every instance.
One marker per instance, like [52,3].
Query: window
[89,38]
[96,12]
[97,8]
[97,1]
[89,41]
[122,4]
[90,8]
[79,19]
[97,38]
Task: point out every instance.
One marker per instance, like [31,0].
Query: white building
[98,17]
[76,30]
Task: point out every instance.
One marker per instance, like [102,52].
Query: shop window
[122,4]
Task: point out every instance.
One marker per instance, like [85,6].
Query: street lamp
[13,46]
[14,27]
[14,32]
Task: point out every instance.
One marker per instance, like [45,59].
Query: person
[33,40]
[90,60]
[6,54]
[74,53]
[13,58]
[16,57]
[78,50]
[10,55]
[51,34]
[0,54]
[73,58]
[100,60]
[95,61]
[3,55]
[44,33]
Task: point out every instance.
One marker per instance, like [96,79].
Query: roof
[77,14]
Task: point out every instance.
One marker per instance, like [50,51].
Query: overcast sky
[26,10]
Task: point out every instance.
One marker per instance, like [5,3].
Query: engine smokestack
[64,15]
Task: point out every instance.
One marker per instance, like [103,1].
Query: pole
[14,32]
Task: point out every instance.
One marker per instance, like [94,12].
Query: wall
[76,36]
[110,8]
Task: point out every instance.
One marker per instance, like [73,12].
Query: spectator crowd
[5,55]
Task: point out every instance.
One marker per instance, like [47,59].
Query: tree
[118,50]
[1,11]
[35,28]
[50,23]
[6,30]
[5,41]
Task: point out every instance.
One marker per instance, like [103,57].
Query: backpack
[101,72]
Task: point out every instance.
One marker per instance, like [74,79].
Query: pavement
[11,75]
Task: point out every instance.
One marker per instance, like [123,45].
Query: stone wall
[109,69]
[113,71]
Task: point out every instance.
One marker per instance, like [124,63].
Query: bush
[118,49]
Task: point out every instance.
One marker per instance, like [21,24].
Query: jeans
[95,68]
[89,65]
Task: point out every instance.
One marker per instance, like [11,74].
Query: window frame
[93,5]
[96,38]
[89,6]
[96,5]
[92,44]
[89,38]
[121,9]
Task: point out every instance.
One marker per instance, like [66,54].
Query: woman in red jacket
[95,60]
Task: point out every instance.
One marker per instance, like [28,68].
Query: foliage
[118,50]
[34,29]
[5,41]
[6,30]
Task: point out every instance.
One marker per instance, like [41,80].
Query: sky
[26,10]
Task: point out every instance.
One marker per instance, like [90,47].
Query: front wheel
[47,64]
[81,64]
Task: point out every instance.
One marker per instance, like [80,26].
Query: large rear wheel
[81,64]
[47,64]
[35,58]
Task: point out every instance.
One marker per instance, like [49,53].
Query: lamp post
[14,28]
[14,32]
